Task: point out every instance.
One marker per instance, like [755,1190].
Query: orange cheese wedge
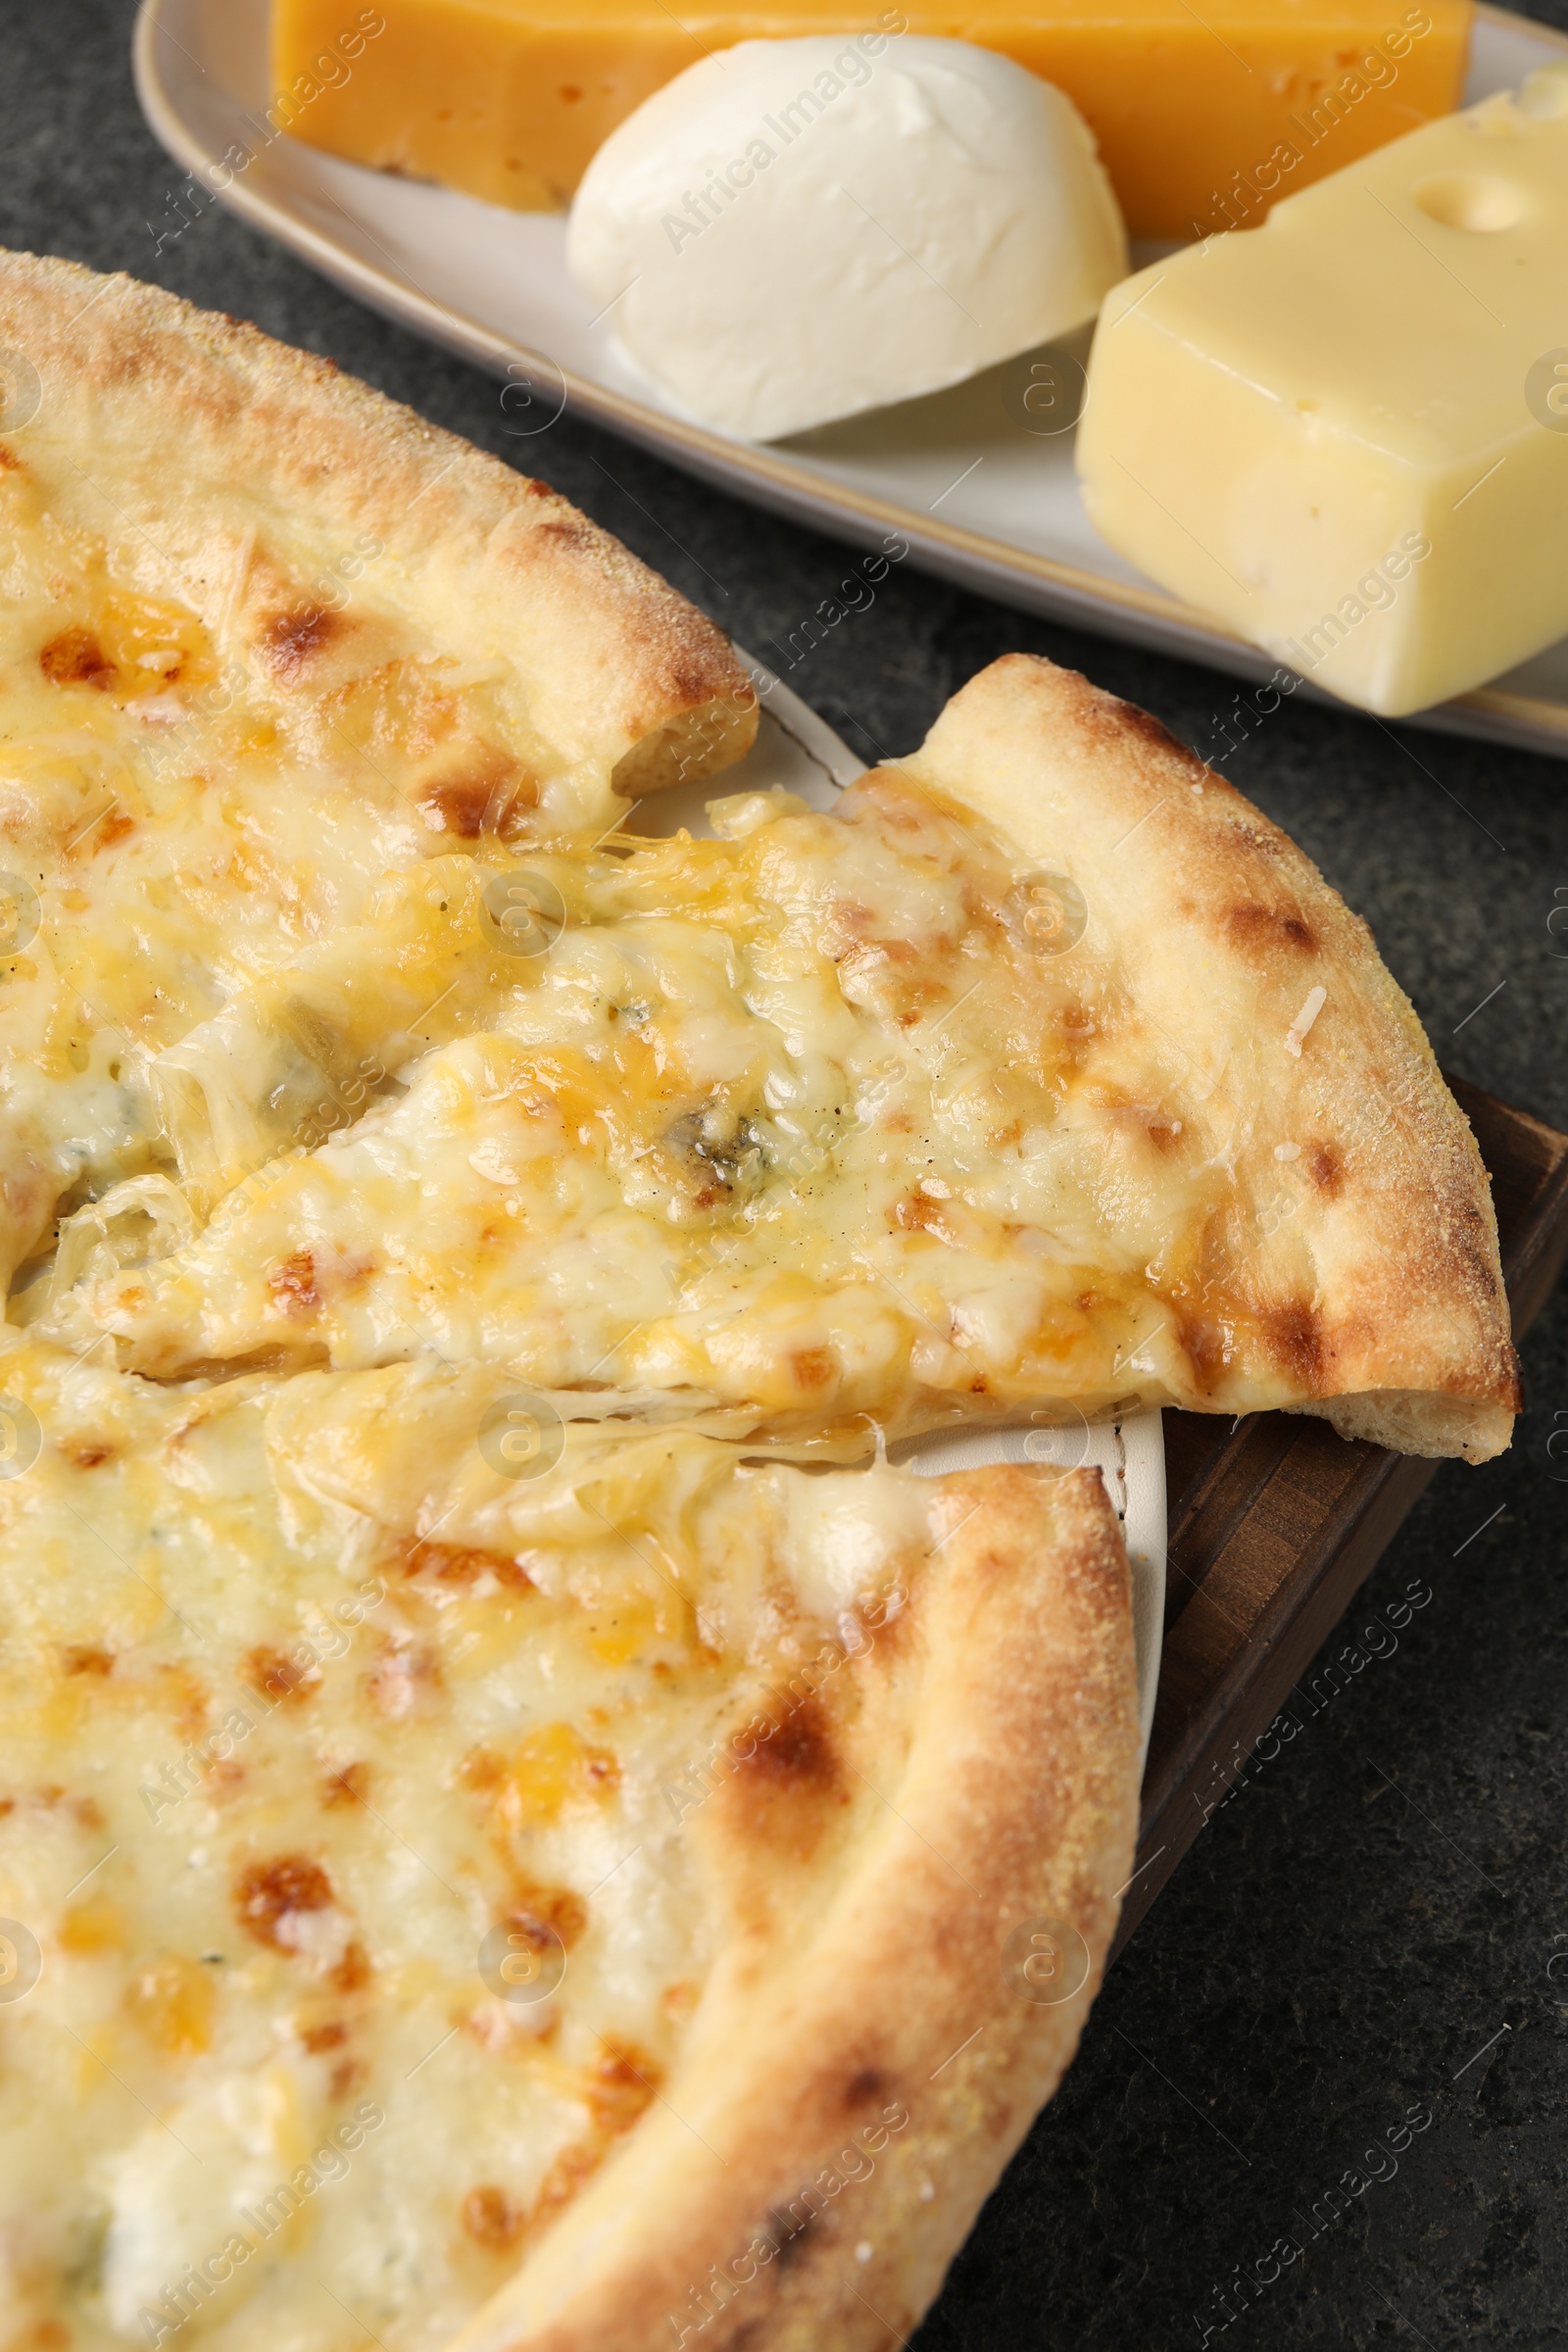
[1198,111]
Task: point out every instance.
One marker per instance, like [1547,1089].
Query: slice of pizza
[1042,1073]
[468,1878]
[273,648]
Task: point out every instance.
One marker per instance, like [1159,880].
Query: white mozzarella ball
[793,231]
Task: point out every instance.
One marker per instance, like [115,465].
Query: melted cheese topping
[807,1124]
[314,1726]
[188,807]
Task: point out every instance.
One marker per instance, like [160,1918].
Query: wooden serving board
[1276,1522]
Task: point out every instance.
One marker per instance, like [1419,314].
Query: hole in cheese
[1472,200]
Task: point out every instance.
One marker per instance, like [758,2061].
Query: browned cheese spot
[346,1787]
[87,1452]
[329,2036]
[543,1915]
[811,1367]
[864,2087]
[289,640]
[1325,1167]
[918,1214]
[9,463]
[493,2217]
[115,827]
[277,1678]
[185,1696]
[784,1787]
[489,785]
[87,1660]
[292,1283]
[353,1971]
[267,1891]
[1204,1342]
[457,806]
[621,2083]
[460,1564]
[1295,1342]
[75,658]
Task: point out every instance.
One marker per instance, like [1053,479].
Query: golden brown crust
[1292,1047]
[869,2052]
[174,431]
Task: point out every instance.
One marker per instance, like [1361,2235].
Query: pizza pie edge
[1413,1349]
[155,393]
[899,2052]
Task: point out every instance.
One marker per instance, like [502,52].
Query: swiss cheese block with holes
[1346,433]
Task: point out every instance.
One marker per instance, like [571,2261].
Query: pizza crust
[174,431]
[869,2025]
[1271,995]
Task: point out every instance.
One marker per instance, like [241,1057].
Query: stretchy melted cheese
[509,99]
[350,1879]
[1347,434]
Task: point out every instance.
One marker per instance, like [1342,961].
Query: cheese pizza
[519,1827]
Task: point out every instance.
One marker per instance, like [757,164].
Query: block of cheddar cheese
[1195,112]
[1346,433]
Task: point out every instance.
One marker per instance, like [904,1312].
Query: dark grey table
[1335,1951]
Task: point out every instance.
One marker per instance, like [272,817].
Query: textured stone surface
[1386,1895]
